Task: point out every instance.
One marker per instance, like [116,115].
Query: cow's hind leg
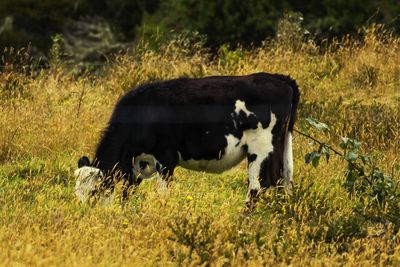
[288,162]
[254,164]
[260,146]
[264,172]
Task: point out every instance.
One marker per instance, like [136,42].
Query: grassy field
[49,119]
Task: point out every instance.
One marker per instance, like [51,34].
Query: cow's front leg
[129,186]
[162,184]
[164,180]
[166,163]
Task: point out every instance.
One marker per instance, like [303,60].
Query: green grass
[49,120]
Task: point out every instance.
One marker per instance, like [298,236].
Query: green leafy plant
[362,177]
[323,150]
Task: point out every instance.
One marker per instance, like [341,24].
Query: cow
[205,124]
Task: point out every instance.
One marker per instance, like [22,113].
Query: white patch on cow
[151,168]
[241,106]
[232,155]
[259,142]
[88,178]
[288,161]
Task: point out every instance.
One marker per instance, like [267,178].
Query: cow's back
[188,100]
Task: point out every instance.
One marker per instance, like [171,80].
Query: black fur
[192,116]
[83,161]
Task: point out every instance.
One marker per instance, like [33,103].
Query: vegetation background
[54,105]
[93,29]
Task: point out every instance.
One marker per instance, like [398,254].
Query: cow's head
[88,179]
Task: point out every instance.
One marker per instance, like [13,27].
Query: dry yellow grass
[48,121]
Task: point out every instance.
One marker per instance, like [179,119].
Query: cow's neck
[108,154]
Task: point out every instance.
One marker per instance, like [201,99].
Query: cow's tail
[295,103]
[288,149]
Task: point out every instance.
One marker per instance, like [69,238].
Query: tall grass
[50,118]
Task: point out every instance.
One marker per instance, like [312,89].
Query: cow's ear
[83,161]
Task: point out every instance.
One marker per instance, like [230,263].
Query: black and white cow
[205,124]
